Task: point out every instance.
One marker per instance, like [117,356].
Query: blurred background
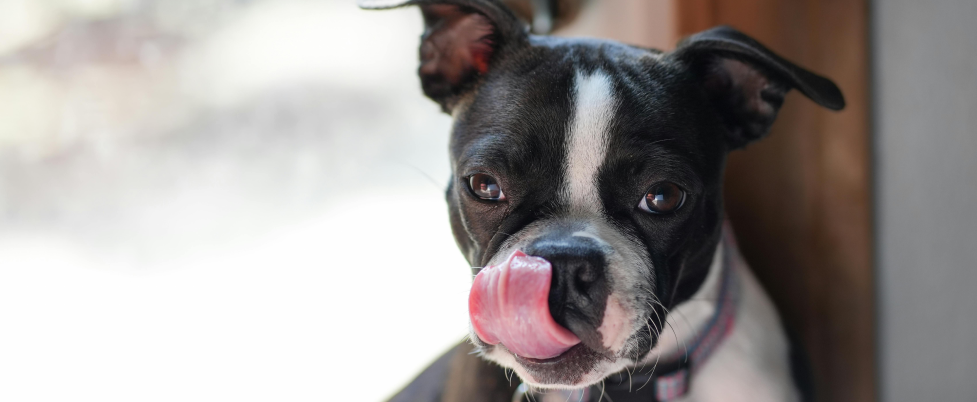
[219,200]
[243,199]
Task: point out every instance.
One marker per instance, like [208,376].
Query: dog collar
[671,378]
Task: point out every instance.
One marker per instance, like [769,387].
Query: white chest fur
[752,363]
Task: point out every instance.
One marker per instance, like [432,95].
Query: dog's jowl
[587,184]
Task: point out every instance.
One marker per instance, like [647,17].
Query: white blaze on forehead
[587,142]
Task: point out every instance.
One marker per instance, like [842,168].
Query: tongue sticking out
[509,304]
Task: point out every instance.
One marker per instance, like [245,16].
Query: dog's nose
[578,290]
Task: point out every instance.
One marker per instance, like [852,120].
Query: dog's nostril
[586,273]
[583,279]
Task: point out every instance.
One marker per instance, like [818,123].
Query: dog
[587,185]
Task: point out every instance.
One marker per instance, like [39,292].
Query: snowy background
[219,200]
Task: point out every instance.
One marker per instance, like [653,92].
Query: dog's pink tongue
[508,305]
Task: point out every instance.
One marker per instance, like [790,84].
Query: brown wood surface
[648,23]
[800,200]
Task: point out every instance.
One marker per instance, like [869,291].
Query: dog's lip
[578,351]
[552,361]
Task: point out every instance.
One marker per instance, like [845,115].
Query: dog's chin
[578,367]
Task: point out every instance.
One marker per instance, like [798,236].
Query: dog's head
[587,177]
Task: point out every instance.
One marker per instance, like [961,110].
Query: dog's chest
[753,363]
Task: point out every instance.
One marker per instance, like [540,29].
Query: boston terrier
[586,189]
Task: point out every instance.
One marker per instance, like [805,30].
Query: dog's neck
[688,319]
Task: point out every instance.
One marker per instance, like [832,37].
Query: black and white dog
[587,181]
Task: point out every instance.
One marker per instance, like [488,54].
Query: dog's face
[603,160]
[606,162]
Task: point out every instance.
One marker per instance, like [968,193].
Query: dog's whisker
[654,310]
[692,329]
[510,235]
[651,342]
[682,341]
[688,323]
[438,186]
[651,375]
[630,378]
[672,328]
[651,334]
[661,140]
[652,330]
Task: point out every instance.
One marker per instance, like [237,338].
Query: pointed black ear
[747,82]
[461,41]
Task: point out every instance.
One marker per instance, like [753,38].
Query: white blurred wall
[925,91]
[219,200]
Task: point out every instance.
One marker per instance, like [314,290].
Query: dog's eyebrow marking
[587,140]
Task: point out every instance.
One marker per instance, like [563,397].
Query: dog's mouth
[512,321]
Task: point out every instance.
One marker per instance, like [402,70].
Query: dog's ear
[746,82]
[461,41]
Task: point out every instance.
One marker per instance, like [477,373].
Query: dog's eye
[485,187]
[663,198]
